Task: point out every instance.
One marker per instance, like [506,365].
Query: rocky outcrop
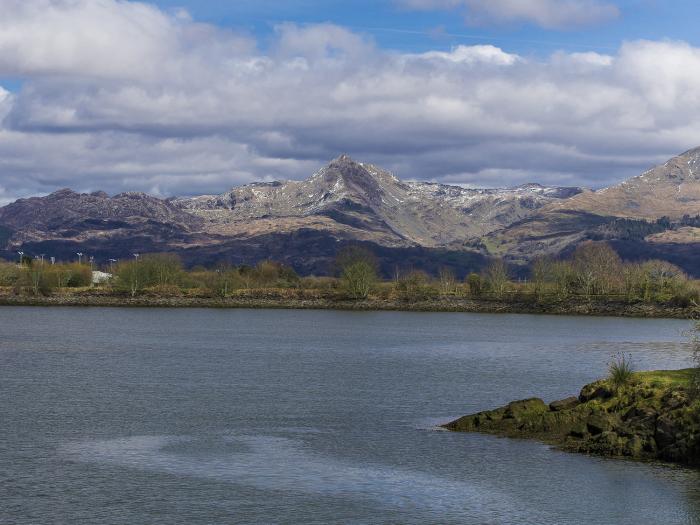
[655,417]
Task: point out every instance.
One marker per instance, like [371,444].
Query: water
[130,416]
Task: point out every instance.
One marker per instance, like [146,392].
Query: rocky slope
[655,417]
[66,214]
[303,223]
[654,215]
[372,204]
[671,190]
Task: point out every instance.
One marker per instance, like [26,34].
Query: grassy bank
[301,299]
[653,416]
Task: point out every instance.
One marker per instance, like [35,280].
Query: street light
[92,262]
[53,261]
[21,255]
[42,258]
[80,257]
[111,265]
[136,256]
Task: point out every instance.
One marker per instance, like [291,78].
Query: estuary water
[147,416]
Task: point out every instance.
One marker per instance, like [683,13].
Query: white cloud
[550,14]
[213,110]
[104,38]
[473,55]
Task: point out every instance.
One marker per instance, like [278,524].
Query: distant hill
[408,224]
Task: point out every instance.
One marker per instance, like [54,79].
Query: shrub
[475,284]
[359,278]
[620,370]
[358,268]
[9,274]
[695,339]
[415,285]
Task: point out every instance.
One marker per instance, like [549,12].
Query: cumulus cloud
[472,55]
[188,108]
[550,14]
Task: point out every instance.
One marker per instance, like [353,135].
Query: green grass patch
[666,378]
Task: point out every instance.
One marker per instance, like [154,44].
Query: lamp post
[42,255]
[136,256]
[80,257]
[53,261]
[21,255]
[92,262]
[111,265]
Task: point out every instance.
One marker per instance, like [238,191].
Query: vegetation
[696,358]
[620,370]
[650,416]
[592,273]
[358,269]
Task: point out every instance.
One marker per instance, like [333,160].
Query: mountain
[670,190]
[407,224]
[368,203]
[655,215]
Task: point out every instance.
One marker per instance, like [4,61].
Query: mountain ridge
[349,202]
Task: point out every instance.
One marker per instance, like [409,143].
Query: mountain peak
[670,190]
[350,177]
[344,159]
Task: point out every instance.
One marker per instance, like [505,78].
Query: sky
[176,97]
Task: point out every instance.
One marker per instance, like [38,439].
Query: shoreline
[655,417]
[574,308]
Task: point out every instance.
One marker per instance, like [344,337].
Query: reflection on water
[281,464]
[197,416]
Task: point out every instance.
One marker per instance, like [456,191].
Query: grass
[666,378]
[620,370]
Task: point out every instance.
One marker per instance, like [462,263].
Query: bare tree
[541,274]
[598,268]
[129,277]
[448,283]
[497,277]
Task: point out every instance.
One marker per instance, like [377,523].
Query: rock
[634,447]
[642,420]
[564,404]
[579,430]
[595,391]
[640,412]
[597,424]
[675,400]
[524,408]
[665,431]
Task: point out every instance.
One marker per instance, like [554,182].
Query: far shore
[443,304]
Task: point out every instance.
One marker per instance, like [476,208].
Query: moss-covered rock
[653,417]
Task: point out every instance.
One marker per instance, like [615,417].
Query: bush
[33,280]
[9,274]
[620,370]
[475,284]
[358,268]
[359,279]
[695,339]
[415,286]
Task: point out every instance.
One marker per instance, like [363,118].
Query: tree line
[593,271]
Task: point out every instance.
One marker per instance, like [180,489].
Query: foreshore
[301,302]
[656,416]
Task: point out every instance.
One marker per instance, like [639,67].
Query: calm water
[112,416]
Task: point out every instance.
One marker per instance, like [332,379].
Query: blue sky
[639,19]
[177,97]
